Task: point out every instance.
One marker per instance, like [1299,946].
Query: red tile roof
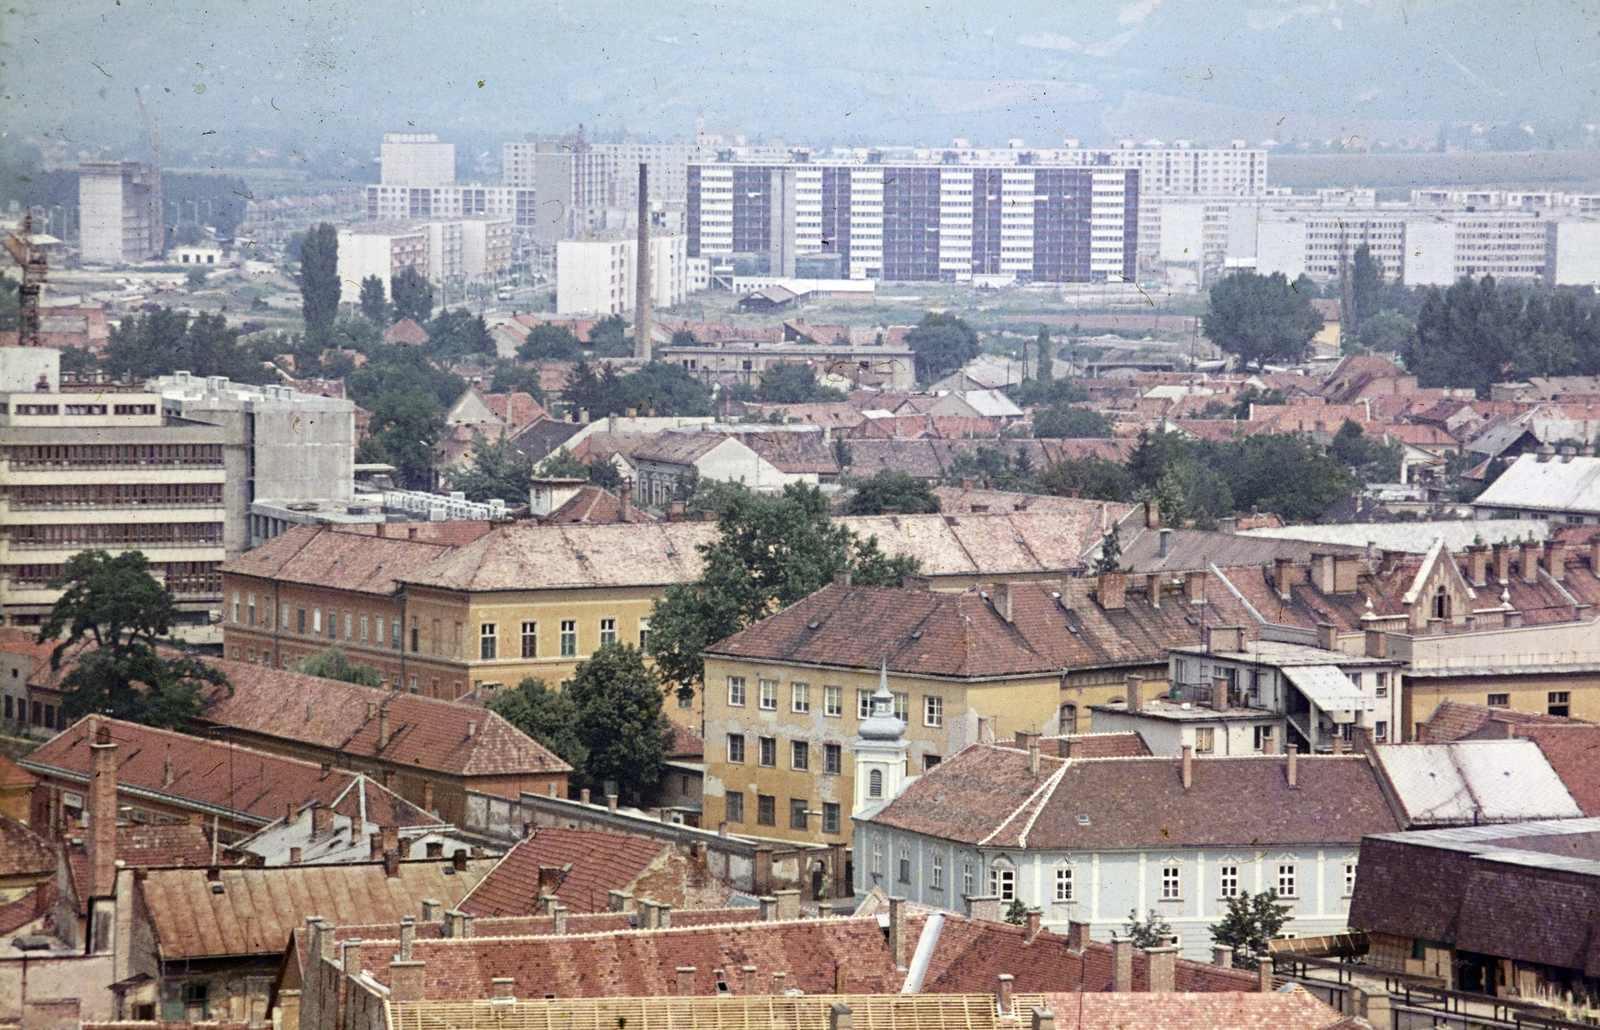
[1237,1010]
[1088,803]
[645,963]
[21,911]
[424,733]
[526,556]
[597,504]
[1090,745]
[406,331]
[22,851]
[1573,751]
[592,862]
[338,559]
[515,408]
[1463,720]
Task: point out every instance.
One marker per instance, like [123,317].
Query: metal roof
[1328,688]
[1467,782]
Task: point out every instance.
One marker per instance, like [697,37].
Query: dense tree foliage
[374,304]
[1047,358]
[10,306]
[1387,332]
[118,607]
[943,343]
[1477,332]
[162,342]
[998,467]
[405,425]
[1086,477]
[1067,421]
[494,470]
[891,488]
[1366,290]
[609,338]
[666,389]
[1150,932]
[1049,391]
[319,277]
[411,294]
[1372,461]
[550,343]
[1261,318]
[770,552]
[788,383]
[1249,926]
[684,338]
[334,664]
[548,716]
[617,699]
[459,334]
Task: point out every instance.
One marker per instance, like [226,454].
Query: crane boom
[158,211]
[32,259]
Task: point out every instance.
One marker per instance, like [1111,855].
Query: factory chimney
[641,304]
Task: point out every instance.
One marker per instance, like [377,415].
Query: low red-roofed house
[406,331]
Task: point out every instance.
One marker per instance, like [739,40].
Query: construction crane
[22,249]
[158,221]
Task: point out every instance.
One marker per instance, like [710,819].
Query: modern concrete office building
[114,204]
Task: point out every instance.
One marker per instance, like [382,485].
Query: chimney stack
[102,811]
[1222,955]
[352,956]
[559,914]
[1043,1018]
[1121,965]
[1264,972]
[1002,601]
[1502,562]
[840,1016]
[1194,586]
[1530,561]
[167,776]
[686,981]
[1283,577]
[1478,564]
[1188,766]
[430,910]
[1004,993]
[1556,559]
[1135,693]
[1164,542]
[1111,590]
[1161,970]
[1077,935]
[321,820]
[294,855]
[897,932]
[641,304]
[1327,636]
[503,987]
[1033,754]
[1293,763]
[1033,923]
[625,500]
[408,981]
[408,934]
[749,984]
[383,727]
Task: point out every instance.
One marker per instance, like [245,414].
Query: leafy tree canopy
[162,342]
[1366,288]
[412,296]
[319,277]
[609,338]
[684,338]
[790,383]
[891,488]
[374,304]
[117,606]
[334,664]
[1249,925]
[617,698]
[1049,391]
[770,552]
[548,716]
[666,389]
[1047,358]
[1478,332]
[459,333]
[494,471]
[1387,332]
[1372,461]
[943,343]
[1260,318]
[405,426]
[1150,932]
[1065,421]
[548,342]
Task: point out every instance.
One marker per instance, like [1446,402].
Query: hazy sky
[238,74]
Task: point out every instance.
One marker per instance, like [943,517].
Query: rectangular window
[1064,883]
[830,817]
[877,858]
[832,759]
[766,810]
[349,626]
[800,697]
[833,702]
[800,755]
[413,684]
[769,751]
[797,813]
[1229,882]
[644,634]
[863,704]
[1380,732]
[608,632]
[394,635]
[530,640]
[966,877]
[936,877]
[1171,882]
[902,704]
[1382,684]
[250,610]
[1560,703]
[929,762]
[1349,879]
[905,869]
[736,691]
[236,607]
[1205,740]
[736,748]
[1286,872]
[416,635]
[333,624]
[569,637]
[300,621]
[735,807]
[932,710]
[1003,883]
[316,622]
[377,630]
[1264,739]
[364,620]
[1499,701]
[488,640]
[769,695]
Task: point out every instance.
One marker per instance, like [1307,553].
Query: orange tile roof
[22,851]
[526,556]
[340,560]
[1573,750]
[406,331]
[596,504]
[594,862]
[1238,1010]
[424,733]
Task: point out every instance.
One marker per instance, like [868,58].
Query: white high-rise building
[417,159]
[114,205]
[597,277]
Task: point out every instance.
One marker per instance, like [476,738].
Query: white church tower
[881,752]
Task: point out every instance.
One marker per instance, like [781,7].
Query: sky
[250,77]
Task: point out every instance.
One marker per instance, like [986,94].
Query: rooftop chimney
[408,934]
[1033,754]
[1556,559]
[1033,923]
[1121,965]
[1188,766]
[559,916]
[459,860]
[294,855]
[840,1016]
[748,986]
[1161,970]
[641,304]
[625,500]
[686,981]
[1222,955]
[1282,577]
[675,511]
[102,811]
[1322,572]
[897,932]
[352,956]
[788,904]
[1502,562]
[1229,525]
[383,728]
[408,981]
[1264,973]
[1530,561]
[1043,1018]
[1111,591]
[1077,935]
[430,910]
[321,820]
[1194,586]
[391,863]
[1006,980]
[167,775]
[1002,601]
[1478,564]
[1327,636]
[1293,764]
[503,987]
[1152,588]
[1135,693]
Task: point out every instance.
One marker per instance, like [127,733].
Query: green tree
[548,716]
[494,471]
[195,278]
[1249,925]
[412,295]
[374,305]
[1017,912]
[769,553]
[663,388]
[1047,360]
[1089,476]
[162,342]
[117,605]
[794,383]
[1152,932]
[319,277]
[684,338]
[560,464]
[891,488]
[1387,332]
[548,342]
[1250,395]
[334,664]
[943,343]
[1049,391]
[1260,318]
[513,377]
[10,304]
[1064,421]
[405,426]
[618,698]
[459,333]
[1366,289]
[1110,558]
[609,338]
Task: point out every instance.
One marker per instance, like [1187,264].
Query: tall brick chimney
[641,304]
[1121,965]
[102,811]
